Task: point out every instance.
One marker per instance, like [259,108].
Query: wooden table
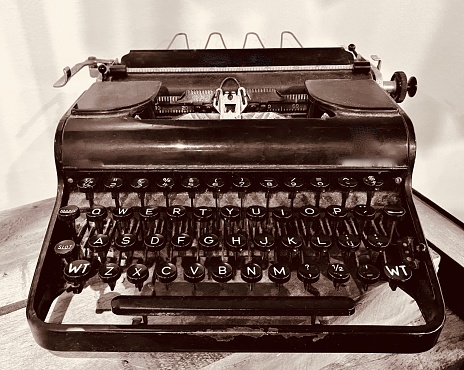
[21,234]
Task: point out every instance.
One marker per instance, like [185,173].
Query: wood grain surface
[21,234]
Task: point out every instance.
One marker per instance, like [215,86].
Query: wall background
[39,38]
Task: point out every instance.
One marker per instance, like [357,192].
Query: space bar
[232,306]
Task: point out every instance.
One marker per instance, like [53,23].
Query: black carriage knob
[412,86]
[403,86]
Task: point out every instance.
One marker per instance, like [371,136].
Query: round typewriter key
[291,242]
[176,213]
[231,213]
[397,274]
[321,243]
[140,186]
[251,273]
[293,183]
[194,273]
[256,213]
[235,242]
[109,273]
[166,183]
[97,215]
[368,274]
[203,213]
[149,213]
[373,181]
[269,183]
[99,243]
[154,242]
[87,185]
[114,184]
[209,242]
[77,271]
[309,213]
[222,272]
[377,242]
[373,184]
[137,275]
[347,182]
[279,273]
[319,182]
[241,183]
[166,272]
[363,212]
[281,214]
[308,274]
[66,249]
[336,213]
[190,183]
[69,213]
[181,242]
[264,242]
[125,242]
[349,242]
[338,273]
[215,183]
[122,216]
[394,212]
[123,213]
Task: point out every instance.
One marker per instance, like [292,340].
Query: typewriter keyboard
[248,244]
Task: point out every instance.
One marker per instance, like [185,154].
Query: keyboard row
[77,272]
[222,184]
[279,214]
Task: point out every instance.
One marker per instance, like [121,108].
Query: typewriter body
[234,200]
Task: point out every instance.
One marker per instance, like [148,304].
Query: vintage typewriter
[247,199]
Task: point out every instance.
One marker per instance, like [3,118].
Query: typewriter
[253,199]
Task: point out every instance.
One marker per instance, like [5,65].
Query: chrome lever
[69,72]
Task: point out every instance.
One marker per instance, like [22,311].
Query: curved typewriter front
[236,200]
